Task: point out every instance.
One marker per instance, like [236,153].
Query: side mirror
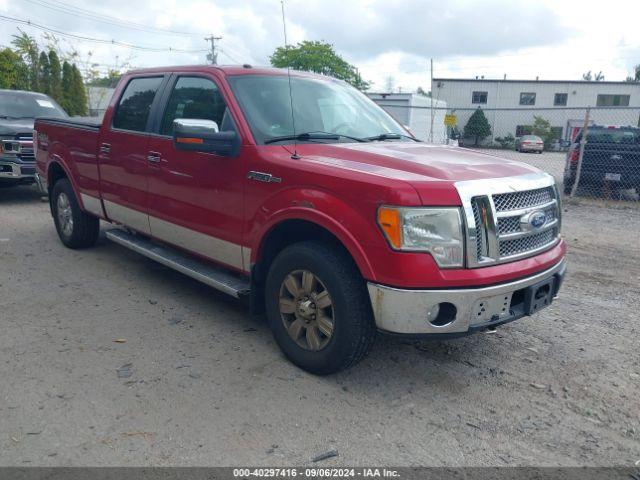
[199,135]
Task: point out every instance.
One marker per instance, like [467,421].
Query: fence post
[583,142]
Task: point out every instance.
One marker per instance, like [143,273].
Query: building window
[479,97]
[560,100]
[527,98]
[613,100]
[522,130]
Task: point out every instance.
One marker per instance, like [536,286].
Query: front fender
[324,209]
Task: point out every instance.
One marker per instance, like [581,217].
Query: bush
[506,142]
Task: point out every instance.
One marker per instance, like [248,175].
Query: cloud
[545,38]
[428,28]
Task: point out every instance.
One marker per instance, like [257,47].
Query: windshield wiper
[390,136]
[314,136]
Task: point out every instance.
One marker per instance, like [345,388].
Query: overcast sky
[550,39]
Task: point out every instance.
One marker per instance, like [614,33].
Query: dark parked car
[611,157]
[18,111]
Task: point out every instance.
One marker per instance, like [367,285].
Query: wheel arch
[57,170]
[306,226]
[293,229]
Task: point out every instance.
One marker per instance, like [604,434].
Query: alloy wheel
[306,310]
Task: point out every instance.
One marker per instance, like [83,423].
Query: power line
[98,40]
[226,54]
[102,18]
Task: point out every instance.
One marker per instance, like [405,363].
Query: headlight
[434,230]
[9,146]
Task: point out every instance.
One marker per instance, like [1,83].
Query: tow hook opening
[442,314]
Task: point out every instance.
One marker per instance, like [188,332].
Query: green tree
[636,75]
[14,74]
[27,48]
[542,128]
[110,80]
[318,57]
[67,100]
[422,92]
[477,127]
[79,92]
[44,73]
[55,83]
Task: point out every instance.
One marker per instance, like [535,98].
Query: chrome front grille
[504,218]
[520,245]
[26,147]
[518,200]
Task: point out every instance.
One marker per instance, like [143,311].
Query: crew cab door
[195,198]
[123,153]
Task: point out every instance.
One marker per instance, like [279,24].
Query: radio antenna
[295,155]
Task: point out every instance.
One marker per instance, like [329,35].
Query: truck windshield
[320,105]
[613,135]
[27,105]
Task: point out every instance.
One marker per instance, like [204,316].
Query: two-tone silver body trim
[482,218]
[128,217]
[92,204]
[214,248]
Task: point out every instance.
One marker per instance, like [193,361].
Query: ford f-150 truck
[18,111]
[300,194]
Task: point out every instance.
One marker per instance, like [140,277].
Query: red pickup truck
[301,195]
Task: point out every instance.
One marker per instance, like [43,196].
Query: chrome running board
[216,277]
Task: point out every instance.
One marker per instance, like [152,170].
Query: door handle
[154,157]
[105,148]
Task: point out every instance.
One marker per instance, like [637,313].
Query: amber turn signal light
[389,221]
[197,141]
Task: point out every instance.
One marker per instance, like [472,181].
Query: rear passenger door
[123,153]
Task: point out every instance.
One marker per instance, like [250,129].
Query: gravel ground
[197,381]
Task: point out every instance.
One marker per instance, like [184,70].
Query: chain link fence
[591,151]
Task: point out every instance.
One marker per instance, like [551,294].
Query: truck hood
[415,162]
[10,127]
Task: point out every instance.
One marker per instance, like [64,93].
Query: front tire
[76,228]
[318,308]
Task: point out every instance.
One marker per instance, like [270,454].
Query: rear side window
[197,98]
[133,110]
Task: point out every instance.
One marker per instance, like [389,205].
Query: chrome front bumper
[407,311]
[17,171]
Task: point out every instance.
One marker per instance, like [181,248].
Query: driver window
[196,97]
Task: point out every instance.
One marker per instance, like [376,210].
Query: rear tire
[318,308]
[75,228]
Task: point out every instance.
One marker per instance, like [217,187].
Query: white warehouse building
[414,111]
[510,105]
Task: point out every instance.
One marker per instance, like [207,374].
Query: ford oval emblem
[535,220]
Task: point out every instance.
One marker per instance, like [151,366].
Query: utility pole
[431,100]
[213,56]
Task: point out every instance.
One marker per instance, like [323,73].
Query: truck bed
[74,142]
[87,123]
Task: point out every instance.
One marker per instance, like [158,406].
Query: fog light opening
[442,314]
